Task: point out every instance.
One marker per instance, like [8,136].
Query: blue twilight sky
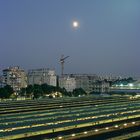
[35,33]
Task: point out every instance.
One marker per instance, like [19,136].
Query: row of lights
[96,130]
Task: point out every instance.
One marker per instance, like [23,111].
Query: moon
[75,24]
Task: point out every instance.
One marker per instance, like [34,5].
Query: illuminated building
[15,77]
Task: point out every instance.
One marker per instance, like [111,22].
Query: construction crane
[62,61]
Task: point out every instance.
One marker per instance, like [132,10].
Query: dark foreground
[71,118]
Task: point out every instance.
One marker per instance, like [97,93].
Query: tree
[2,92]
[78,91]
[45,88]
[63,91]
[6,91]
[9,89]
[37,91]
[22,91]
[29,90]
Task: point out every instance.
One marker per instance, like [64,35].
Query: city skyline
[34,34]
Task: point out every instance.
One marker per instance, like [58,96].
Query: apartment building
[42,76]
[15,77]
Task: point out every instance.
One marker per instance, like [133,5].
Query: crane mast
[62,61]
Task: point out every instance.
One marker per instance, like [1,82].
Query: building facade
[84,81]
[67,82]
[42,76]
[15,77]
[2,84]
[101,86]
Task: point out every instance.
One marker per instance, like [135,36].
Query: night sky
[35,33]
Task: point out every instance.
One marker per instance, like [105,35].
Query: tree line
[6,91]
[37,91]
